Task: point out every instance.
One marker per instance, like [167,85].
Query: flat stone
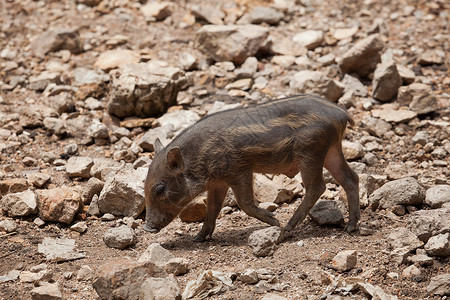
[160,288]
[49,291]
[212,14]
[418,97]
[56,39]
[59,249]
[394,115]
[376,126]
[264,14]
[432,56]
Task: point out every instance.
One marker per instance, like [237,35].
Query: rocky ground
[87,86]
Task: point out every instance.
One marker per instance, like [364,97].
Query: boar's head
[166,188]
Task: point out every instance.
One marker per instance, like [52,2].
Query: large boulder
[230,42]
[144,89]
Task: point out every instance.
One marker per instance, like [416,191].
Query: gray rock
[432,56]
[8,226]
[386,79]
[411,271]
[93,209]
[49,291]
[428,223]
[352,150]
[363,57]
[230,42]
[438,245]
[122,278]
[376,126]
[327,212]
[399,255]
[19,204]
[310,39]
[405,191]
[345,260]
[406,74]
[123,194]
[40,82]
[352,84]
[439,285]
[57,250]
[401,237]
[187,61]
[93,187]
[248,68]
[263,242]
[98,130]
[80,227]
[116,58]
[438,195]
[157,11]
[249,276]
[179,119]
[421,137]
[160,288]
[59,204]
[264,14]
[85,273]
[79,166]
[418,97]
[56,39]
[83,76]
[422,260]
[394,115]
[177,266]
[271,296]
[315,82]
[11,276]
[120,237]
[156,254]
[212,14]
[144,89]
[54,125]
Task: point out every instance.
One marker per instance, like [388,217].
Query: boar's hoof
[150,229]
[200,238]
[351,228]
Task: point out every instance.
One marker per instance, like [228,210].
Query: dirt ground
[300,268]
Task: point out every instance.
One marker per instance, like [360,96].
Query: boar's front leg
[243,191]
[217,192]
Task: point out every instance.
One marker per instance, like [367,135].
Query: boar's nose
[149,228]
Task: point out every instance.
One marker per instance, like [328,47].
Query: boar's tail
[349,117]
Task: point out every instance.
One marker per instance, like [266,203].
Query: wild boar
[295,134]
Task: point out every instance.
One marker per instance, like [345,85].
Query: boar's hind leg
[214,202]
[314,185]
[243,191]
[337,165]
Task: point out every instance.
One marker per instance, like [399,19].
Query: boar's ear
[158,145]
[175,160]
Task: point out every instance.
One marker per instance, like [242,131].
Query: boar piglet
[296,134]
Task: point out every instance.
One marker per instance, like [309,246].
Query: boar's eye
[160,189]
